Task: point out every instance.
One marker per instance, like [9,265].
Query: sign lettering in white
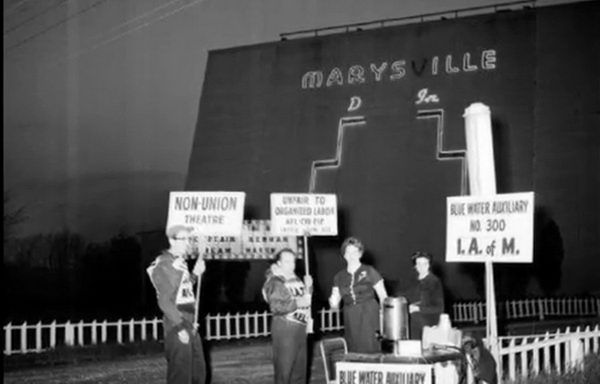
[304,214]
[209,213]
[496,226]
[255,242]
[367,373]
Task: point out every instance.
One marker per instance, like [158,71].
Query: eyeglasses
[180,238]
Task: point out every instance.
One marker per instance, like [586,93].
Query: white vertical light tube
[482,181]
[480,149]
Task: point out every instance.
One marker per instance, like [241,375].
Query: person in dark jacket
[175,295]
[289,300]
[427,302]
[356,287]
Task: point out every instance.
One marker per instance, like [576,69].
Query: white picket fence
[248,325]
[40,337]
[32,338]
[541,308]
[237,326]
[26,338]
[526,356]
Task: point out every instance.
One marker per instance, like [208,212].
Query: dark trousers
[185,362]
[289,351]
[418,320]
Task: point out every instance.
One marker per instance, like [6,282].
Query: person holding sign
[427,299]
[289,300]
[356,286]
[175,295]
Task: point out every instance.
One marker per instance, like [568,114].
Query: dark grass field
[239,363]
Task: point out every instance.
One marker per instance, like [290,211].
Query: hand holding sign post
[209,213]
[304,214]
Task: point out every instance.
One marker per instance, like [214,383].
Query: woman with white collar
[357,286]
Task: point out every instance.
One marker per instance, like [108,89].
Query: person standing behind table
[289,300]
[175,295]
[427,298]
[356,286]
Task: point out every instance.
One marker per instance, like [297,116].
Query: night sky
[101,97]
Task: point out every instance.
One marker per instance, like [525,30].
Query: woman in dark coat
[356,286]
[427,302]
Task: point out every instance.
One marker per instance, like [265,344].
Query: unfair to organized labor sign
[496,226]
[371,373]
[299,214]
[209,213]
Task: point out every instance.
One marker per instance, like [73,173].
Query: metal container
[395,318]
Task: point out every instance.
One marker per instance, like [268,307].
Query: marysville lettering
[357,74]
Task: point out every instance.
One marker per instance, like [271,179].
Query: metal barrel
[395,318]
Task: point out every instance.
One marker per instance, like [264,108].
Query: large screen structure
[375,116]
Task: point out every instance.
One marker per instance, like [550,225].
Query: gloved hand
[199,267]
[184,336]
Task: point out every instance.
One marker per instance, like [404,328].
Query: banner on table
[209,213]
[300,214]
[364,373]
[499,226]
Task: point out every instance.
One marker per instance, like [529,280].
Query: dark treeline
[62,277]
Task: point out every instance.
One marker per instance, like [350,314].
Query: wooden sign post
[209,213]
[304,214]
